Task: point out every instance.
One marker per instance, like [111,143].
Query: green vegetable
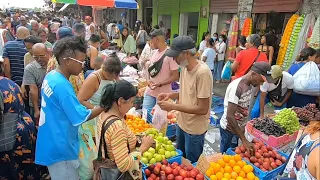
[288,120]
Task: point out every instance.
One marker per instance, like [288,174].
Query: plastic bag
[307,80]
[226,71]
[88,153]
[159,118]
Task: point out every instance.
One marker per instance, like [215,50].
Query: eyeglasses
[39,57]
[76,60]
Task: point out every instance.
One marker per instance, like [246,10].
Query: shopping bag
[226,71]
[159,118]
[88,153]
[307,80]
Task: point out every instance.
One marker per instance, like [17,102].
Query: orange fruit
[216,168]
[237,157]
[212,164]
[234,175]
[226,158]
[246,169]
[232,163]
[222,170]
[208,173]
[250,176]
[224,179]
[222,163]
[219,175]
[227,175]
[256,178]
[239,178]
[240,164]
[237,169]
[213,177]
[242,174]
[227,169]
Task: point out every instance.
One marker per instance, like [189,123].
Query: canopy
[130,4]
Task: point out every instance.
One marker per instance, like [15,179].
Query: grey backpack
[8,127]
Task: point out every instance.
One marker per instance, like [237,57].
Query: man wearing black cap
[236,105]
[162,71]
[247,57]
[194,98]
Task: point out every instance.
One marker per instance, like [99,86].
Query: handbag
[105,168]
[255,59]
[8,127]
[155,68]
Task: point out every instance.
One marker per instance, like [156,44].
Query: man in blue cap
[195,96]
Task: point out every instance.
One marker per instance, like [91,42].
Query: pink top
[168,65]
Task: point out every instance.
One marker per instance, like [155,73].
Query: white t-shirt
[210,54]
[88,32]
[203,45]
[221,48]
[287,83]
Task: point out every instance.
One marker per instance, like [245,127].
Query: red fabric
[245,59]
[105,3]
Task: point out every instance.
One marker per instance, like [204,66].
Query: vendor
[277,92]
[167,70]
[304,160]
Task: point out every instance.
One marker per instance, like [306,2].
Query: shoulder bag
[155,68]
[105,168]
[8,127]
[255,59]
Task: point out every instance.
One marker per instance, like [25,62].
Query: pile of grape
[288,120]
[307,113]
[268,127]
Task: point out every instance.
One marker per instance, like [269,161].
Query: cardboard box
[203,163]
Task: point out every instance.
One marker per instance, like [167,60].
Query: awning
[126,4]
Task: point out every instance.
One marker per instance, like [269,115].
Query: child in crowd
[97,65]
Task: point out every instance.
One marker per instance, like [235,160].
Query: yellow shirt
[76,81]
[194,84]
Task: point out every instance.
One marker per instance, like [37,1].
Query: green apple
[158,158]
[168,154]
[152,150]
[157,147]
[169,142]
[147,155]
[154,156]
[163,157]
[160,139]
[151,135]
[144,160]
[161,151]
[173,153]
[152,161]
[160,134]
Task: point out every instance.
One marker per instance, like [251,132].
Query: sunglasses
[76,60]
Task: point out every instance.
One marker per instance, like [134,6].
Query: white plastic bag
[307,80]
[159,118]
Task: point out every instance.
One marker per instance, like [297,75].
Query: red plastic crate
[271,140]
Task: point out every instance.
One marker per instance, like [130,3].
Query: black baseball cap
[179,44]
[264,69]
[32,39]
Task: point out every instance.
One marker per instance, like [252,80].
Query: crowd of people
[54,76]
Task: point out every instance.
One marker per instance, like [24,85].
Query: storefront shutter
[223,6]
[266,6]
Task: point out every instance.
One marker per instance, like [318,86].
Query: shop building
[182,17]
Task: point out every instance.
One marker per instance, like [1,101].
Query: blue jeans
[190,145]
[218,69]
[255,112]
[67,170]
[226,140]
[148,101]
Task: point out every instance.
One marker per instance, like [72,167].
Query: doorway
[189,24]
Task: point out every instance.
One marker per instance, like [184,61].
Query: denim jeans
[226,140]
[148,101]
[190,145]
[255,112]
[218,69]
[66,170]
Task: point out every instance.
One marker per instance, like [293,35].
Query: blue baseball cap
[64,32]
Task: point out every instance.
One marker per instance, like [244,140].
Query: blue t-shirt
[60,116]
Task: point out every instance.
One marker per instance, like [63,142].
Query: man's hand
[276,103]
[166,105]
[163,97]
[249,146]
[24,92]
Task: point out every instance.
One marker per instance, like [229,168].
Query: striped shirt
[117,137]
[15,51]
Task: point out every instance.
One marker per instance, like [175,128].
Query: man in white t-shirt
[236,105]
[278,93]
[89,27]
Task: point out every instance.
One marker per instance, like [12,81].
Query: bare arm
[201,108]
[93,56]
[88,88]
[262,103]
[34,93]
[6,66]
[235,66]
[271,51]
